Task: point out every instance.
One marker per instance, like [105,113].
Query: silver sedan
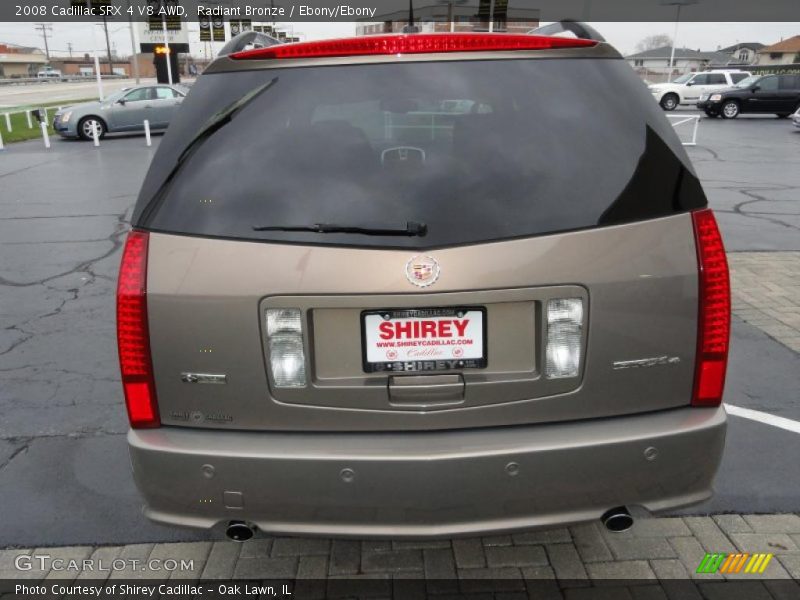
[122,111]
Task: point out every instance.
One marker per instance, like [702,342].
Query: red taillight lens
[714,327]
[413,44]
[133,339]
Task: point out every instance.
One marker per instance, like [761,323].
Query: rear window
[475,150]
[737,77]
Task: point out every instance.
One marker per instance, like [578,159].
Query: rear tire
[85,128]
[730,110]
[669,101]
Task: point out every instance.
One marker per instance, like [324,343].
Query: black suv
[779,94]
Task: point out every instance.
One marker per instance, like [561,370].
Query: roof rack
[578,28]
[248,40]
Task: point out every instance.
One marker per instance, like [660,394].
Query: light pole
[678,4]
[134,53]
[450,12]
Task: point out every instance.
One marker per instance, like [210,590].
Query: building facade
[785,52]
[20,61]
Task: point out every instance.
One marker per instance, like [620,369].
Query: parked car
[688,88]
[48,73]
[125,110]
[779,94]
[796,118]
[338,317]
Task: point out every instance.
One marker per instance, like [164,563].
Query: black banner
[400,588]
[503,11]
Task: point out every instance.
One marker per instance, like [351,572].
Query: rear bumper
[423,484]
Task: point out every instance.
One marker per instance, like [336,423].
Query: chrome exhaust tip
[239,531]
[617,519]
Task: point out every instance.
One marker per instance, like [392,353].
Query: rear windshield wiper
[223,117]
[411,228]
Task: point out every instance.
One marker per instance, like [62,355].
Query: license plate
[426,339]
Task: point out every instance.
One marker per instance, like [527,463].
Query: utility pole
[44,28]
[108,47]
[134,52]
[69,47]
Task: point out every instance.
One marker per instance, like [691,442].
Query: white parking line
[762,417]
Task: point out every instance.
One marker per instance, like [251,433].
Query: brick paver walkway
[655,548]
[766,293]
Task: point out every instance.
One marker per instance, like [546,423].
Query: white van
[48,73]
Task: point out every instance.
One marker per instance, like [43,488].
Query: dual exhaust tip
[617,519]
[239,531]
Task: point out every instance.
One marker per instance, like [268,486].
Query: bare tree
[651,42]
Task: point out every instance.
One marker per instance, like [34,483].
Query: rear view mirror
[121,101]
[755,87]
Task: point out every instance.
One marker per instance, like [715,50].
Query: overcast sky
[705,36]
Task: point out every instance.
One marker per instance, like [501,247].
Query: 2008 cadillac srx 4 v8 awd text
[421,285]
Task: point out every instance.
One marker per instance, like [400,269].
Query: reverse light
[714,314]
[564,337]
[287,360]
[133,338]
[412,44]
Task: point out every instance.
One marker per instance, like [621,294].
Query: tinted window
[768,83]
[716,79]
[477,150]
[737,77]
[789,82]
[136,95]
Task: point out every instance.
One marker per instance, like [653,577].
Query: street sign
[151,33]
[240,26]
[169,14]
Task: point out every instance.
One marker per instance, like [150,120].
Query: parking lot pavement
[64,476]
[750,169]
[578,556]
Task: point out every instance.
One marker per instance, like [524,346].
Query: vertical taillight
[133,339]
[714,315]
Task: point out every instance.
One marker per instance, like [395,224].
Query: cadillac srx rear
[421,285]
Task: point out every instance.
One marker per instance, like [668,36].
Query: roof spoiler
[248,40]
[579,29]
